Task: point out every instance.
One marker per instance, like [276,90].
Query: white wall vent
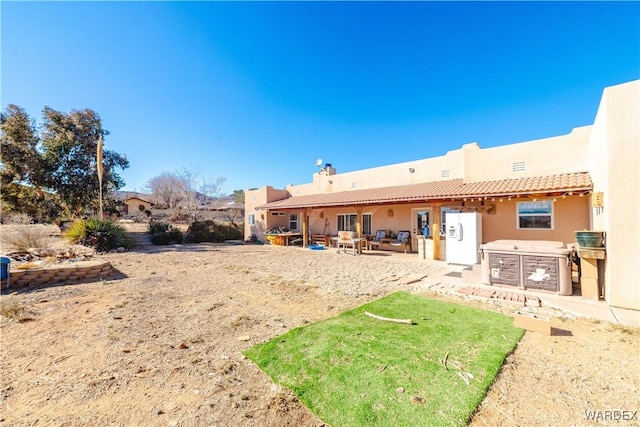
[444,173]
[518,166]
[354,185]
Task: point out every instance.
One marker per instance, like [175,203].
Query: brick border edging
[76,272]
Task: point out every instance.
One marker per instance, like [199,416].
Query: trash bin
[4,270]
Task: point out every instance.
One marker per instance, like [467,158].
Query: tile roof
[440,190]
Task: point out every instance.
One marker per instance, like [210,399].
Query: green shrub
[211,231]
[176,235]
[103,235]
[171,236]
[156,227]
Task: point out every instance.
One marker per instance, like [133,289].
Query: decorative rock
[400,390]
[244,338]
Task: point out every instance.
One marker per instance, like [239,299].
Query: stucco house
[588,179]
[135,206]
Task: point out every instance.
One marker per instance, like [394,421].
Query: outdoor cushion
[380,234]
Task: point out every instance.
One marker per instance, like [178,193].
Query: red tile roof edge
[441,190]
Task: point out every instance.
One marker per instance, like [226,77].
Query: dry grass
[26,266]
[24,238]
[12,308]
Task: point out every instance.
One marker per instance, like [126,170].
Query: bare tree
[232,215]
[166,190]
[198,190]
[188,189]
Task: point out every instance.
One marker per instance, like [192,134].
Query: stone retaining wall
[81,271]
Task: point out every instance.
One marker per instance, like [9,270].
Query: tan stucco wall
[550,156]
[569,214]
[133,206]
[263,220]
[614,166]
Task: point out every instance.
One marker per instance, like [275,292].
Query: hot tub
[527,264]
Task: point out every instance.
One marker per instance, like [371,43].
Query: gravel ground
[159,343]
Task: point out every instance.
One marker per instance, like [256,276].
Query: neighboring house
[587,179]
[135,206]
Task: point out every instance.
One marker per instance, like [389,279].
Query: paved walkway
[539,302]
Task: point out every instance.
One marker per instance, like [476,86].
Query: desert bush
[211,231]
[176,235]
[28,237]
[103,235]
[16,218]
[156,227]
[169,237]
[12,308]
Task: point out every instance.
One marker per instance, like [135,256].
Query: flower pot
[590,239]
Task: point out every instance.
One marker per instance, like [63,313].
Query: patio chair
[347,239]
[404,240]
[375,242]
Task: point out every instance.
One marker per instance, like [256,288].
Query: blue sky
[256,91]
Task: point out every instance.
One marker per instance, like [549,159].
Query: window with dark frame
[536,215]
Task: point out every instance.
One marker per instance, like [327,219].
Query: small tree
[238,196]
[70,144]
[54,171]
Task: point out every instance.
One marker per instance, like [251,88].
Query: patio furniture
[320,239]
[404,240]
[375,242]
[347,239]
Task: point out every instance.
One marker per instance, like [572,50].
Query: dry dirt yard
[159,343]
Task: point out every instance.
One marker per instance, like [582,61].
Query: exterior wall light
[412,170]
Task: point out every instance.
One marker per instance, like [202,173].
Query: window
[251,219]
[366,223]
[347,222]
[293,221]
[535,215]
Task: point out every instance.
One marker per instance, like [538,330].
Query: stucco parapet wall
[75,272]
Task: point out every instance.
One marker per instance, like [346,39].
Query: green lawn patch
[347,370]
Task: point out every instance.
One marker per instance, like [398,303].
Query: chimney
[329,169]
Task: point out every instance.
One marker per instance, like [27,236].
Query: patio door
[421,218]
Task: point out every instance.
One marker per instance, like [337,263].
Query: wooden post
[99,170]
[436,241]
[589,282]
[305,229]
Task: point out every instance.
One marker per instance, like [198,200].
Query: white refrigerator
[463,237]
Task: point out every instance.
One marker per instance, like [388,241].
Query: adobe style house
[588,179]
[135,206]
